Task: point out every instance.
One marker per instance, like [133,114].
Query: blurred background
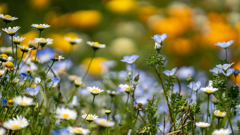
[126,27]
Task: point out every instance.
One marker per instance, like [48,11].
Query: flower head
[2,131]
[224,45]
[44,55]
[94,90]
[44,41]
[40,26]
[17,40]
[159,38]
[222,132]
[54,82]
[11,31]
[96,45]
[104,123]
[24,48]
[34,90]
[125,87]
[209,90]
[73,41]
[9,66]
[90,117]
[57,57]
[8,18]
[65,113]
[224,66]
[202,124]
[16,123]
[130,59]
[78,130]
[23,101]
[170,73]
[195,86]
[219,114]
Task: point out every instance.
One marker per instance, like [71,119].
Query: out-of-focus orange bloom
[145,12]
[28,36]
[3,8]
[215,17]
[121,6]
[61,43]
[39,4]
[56,21]
[237,66]
[84,19]
[179,21]
[238,30]
[180,46]
[96,67]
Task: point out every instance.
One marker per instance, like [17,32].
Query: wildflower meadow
[124,90]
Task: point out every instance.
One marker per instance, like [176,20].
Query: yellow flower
[96,67]
[39,4]
[121,6]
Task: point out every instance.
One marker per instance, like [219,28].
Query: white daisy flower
[24,48]
[2,131]
[90,117]
[78,130]
[209,90]
[40,26]
[104,123]
[78,82]
[8,18]
[96,45]
[125,87]
[222,132]
[57,57]
[94,90]
[17,40]
[219,114]
[4,57]
[73,41]
[112,93]
[65,113]
[44,41]
[238,106]
[202,124]
[23,101]
[7,50]
[9,66]
[11,31]
[16,123]
[2,72]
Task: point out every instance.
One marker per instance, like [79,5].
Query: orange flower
[180,46]
[145,12]
[39,4]
[121,6]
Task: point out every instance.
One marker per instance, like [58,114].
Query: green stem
[88,111]
[208,107]
[16,54]
[38,45]
[135,120]
[226,53]
[71,96]
[218,123]
[69,57]
[202,130]
[18,64]
[13,51]
[50,67]
[89,65]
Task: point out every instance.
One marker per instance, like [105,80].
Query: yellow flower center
[208,91]
[108,111]
[43,39]
[128,88]
[96,43]
[10,101]
[40,26]
[22,103]
[95,91]
[9,65]
[221,134]
[4,56]
[90,117]
[78,130]
[103,122]
[56,56]
[34,86]
[202,125]
[15,127]
[65,115]
[7,16]
[220,113]
[1,73]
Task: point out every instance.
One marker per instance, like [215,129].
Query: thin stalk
[208,107]
[50,67]
[16,54]
[69,57]
[88,111]
[71,96]
[40,31]
[226,53]
[13,51]
[218,123]
[89,65]
[135,120]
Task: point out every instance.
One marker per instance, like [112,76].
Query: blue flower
[229,72]
[170,73]
[224,44]
[54,82]
[224,66]
[4,102]
[130,59]
[216,70]
[24,76]
[75,101]
[157,45]
[33,91]
[62,131]
[195,86]
[184,72]
[159,38]
[236,72]
[45,55]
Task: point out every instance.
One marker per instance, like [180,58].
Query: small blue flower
[224,44]
[75,101]
[45,55]
[159,38]
[4,102]
[229,72]
[224,66]
[157,45]
[24,76]
[33,91]
[62,131]
[54,82]
[195,86]
[236,72]
[170,73]
[216,70]
[130,59]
